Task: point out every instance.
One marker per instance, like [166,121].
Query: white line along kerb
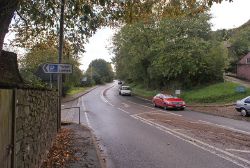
[103,98]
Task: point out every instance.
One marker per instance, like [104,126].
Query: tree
[38,19]
[100,71]
[240,45]
[47,53]
[175,50]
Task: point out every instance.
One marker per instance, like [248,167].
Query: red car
[168,102]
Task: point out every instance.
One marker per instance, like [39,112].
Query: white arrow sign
[57,68]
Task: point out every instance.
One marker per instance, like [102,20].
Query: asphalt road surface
[134,134]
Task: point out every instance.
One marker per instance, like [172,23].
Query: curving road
[134,134]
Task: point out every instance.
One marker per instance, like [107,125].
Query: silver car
[243,106]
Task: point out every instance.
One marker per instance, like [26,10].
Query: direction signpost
[57,68]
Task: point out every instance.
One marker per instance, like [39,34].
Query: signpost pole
[59,75]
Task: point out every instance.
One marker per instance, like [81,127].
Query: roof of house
[243,59]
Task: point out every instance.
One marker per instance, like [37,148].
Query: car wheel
[154,104]
[243,112]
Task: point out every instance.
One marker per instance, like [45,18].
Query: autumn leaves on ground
[73,147]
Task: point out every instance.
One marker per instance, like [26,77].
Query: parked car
[168,102]
[119,82]
[125,90]
[243,106]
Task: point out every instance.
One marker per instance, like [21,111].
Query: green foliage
[38,19]
[220,93]
[99,72]
[142,92]
[216,93]
[238,42]
[178,51]
[240,46]
[47,53]
[76,90]
[30,78]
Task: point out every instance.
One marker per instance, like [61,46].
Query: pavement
[81,149]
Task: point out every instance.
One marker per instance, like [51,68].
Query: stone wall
[36,126]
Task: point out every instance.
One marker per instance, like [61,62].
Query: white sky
[230,15]
[225,16]
[97,47]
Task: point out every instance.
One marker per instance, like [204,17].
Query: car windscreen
[125,88]
[167,96]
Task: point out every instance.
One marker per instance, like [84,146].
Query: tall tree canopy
[100,71]
[37,19]
[178,50]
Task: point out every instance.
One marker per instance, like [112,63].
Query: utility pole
[59,75]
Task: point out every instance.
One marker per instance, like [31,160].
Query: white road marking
[155,112]
[87,119]
[237,150]
[83,105]
[104,99]
[202,145]
[226,127]
[195,122]
[85,112]
[154,108]
[125,105]
[123,110]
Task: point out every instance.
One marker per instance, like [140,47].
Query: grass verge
[76,90]
[220,93]
[142,92]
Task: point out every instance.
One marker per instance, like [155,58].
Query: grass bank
[220,93]
[76,90]
[141,91]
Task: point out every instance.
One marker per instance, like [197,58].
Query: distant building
[243,67]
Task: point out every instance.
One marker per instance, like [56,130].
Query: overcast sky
[225,16]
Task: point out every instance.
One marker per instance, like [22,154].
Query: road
[134,134]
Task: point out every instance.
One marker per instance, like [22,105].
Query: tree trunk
[9,69]
[7,9]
